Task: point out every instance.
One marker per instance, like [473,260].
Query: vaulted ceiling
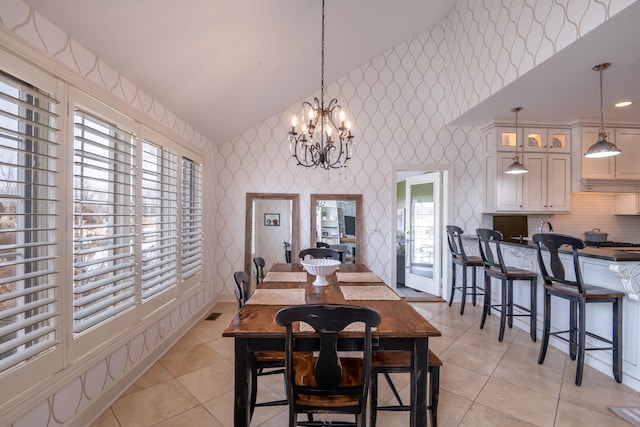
[224,66]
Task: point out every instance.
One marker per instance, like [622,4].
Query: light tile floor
[483,382]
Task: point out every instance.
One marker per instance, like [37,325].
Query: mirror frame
[312,214]
[295,223]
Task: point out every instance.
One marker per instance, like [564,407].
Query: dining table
[254,327]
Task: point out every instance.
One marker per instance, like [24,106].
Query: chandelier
[325,138]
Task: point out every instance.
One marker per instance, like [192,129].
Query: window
[28,316]
[159,219]
[103,221]
[191,218]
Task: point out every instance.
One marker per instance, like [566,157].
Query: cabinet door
[534,140]
[534,182]
[558,182]
[628,204]
[628,163]
[508,187]
[596,168]
[558,141]
[508,138]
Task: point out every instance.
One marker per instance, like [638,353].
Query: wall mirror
[336,221]
[271,220]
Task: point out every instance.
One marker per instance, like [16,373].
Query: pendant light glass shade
[516,167]
[602,148]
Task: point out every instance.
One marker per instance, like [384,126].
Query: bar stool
[506,275]
[579,295]
[459,257]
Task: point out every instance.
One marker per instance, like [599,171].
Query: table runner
[368,293]
[280,276]
[277,297]
[358,277]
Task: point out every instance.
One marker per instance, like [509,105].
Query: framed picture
[400,219]
[272,219]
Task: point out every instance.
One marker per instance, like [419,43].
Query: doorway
[422,205]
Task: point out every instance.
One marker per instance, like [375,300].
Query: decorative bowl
[320,268]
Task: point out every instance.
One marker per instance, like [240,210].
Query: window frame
[44,364]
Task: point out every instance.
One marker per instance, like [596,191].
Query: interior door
[423,237]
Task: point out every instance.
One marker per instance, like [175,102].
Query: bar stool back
[459,257]
[579,295]
[497,269]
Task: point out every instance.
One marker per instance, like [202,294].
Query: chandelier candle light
[314,145]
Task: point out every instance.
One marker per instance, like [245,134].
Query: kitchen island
[613,268]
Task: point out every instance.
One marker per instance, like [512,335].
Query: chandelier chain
[325,138]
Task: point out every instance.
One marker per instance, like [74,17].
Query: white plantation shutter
[159,219]
[28,288]
[103,221]
[191,243]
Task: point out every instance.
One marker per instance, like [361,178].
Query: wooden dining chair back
[287,252]
[319,253]
[496,268]
[259,263]
[241,288]
[262,363]
[572,288]
[322,245]
[327,382]
[459,257]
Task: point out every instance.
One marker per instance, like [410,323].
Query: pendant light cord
[601,102]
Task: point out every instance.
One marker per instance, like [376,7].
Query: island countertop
[621,254]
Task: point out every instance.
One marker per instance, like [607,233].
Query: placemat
[277,297]
[366,276]
[285,276]
[368,293]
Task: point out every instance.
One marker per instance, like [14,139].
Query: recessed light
[623,104]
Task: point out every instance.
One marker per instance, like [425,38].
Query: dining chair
[287,252]
[495,267]
[327,382]
[319,253]
[579,296]
[259,263]
[388,362]
[460,257]
[322,245]
[262,362]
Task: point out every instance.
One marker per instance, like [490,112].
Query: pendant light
[516,167]
[602,148]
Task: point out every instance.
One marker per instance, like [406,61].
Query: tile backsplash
[589,211]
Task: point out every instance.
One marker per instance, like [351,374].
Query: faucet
[541,227]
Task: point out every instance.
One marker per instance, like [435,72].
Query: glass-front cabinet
[545,152]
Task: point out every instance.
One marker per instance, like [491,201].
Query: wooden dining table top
[399,319]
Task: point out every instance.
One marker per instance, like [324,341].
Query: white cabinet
[628,162]
[623,166]
[602,168]
[547,185]
[628,204]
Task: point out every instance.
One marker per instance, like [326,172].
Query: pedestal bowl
[320,268]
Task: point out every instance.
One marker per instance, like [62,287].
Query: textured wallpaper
[401,103]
